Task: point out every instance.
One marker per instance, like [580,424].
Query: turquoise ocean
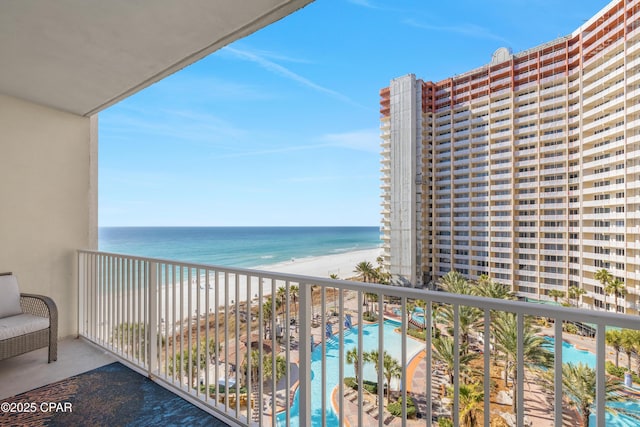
[244,247]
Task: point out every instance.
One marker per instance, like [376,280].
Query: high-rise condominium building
[526,169]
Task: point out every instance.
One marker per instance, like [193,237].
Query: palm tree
[364,270]
[420,303]
[392,369]
[313,288]
[617,288]
[486,287]
[636,348]
[382,277]
[444,352]
[371,298]
[575,293]
[490,289]
[469,318]
[267,366]
[628,341]
[604,277]
[535,354]
[133,338]
[614,339]
[267,312]
[294,292]
[436,312]
[179,365]
[214,349]
[282,297]
[555,294]
[471,403]
[352,359]
[255,367]
[579,385]
[630,344]
[455,283]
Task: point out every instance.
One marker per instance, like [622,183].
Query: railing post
[82,284]
[601,379]
[152,318]
[305,354]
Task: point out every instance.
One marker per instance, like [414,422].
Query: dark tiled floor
[112,395]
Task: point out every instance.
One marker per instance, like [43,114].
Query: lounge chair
[27,321]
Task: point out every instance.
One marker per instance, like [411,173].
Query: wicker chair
[36,305]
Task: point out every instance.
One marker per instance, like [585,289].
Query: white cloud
[362,140]
[330,178]
[364,3]
[470,30]
[182,125]
[367,140]
[282,71]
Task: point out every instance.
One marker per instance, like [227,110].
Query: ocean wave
[266,256]
[343,250]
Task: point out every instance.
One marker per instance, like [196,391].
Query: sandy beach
[342,265]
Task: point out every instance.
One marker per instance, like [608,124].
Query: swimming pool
[370,335]
[417,315]
[393,345]
[571,354]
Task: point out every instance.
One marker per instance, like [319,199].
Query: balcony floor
[31,370]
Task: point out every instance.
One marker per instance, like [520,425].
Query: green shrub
[395,408]
[370,386]
[612,370]
[370,316]
[620,371]
[351,382]
[570,328]
[417,333]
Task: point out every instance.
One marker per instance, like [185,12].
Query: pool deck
[538,401]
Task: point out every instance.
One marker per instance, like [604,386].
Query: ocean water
[236,246]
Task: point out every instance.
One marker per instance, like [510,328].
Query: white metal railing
[192,327]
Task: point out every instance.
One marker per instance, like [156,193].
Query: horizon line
[231,226]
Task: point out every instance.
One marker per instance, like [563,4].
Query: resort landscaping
[457,337]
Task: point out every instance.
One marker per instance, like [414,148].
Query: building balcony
[230,308]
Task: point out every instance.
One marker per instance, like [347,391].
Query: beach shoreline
[342,264]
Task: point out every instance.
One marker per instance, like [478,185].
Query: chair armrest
[40,305]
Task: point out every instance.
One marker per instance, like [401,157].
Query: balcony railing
[210,335]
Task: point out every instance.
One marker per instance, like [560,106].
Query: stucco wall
[47,200]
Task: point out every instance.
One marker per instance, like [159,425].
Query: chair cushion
[15,326]
[10,301]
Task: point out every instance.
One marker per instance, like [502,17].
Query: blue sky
[282,127]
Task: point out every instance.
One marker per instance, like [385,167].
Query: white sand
[342,265]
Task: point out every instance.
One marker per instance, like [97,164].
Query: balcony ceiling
[82,56]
